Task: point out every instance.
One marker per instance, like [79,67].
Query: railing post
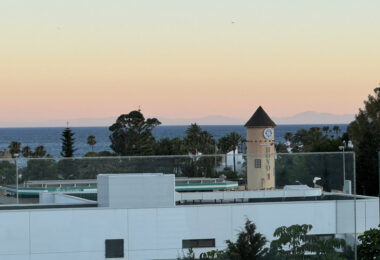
[355,231]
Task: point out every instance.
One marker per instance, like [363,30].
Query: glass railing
[332,174]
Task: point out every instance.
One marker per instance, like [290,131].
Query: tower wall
[262,149]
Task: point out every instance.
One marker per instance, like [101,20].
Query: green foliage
[91,141]
[14,148]
[292,241]
[249,245]
[26,151]
[214,255]
[189,255]
[132,134]
[198,141]
[364,133]
[39,152]
[315,140]
[281,148]
[229,174]
[302,168]
[370,244]
[67,140]
[7,172]
[40,170]
[91,154]
[167,146]
[229,143]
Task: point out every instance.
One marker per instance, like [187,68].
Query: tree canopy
[132,134]
[68,141]
[364,132]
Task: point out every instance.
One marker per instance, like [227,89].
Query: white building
[131,223]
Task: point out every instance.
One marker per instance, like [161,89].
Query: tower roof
[260,118]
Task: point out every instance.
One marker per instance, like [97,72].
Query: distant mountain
[208,120]
[312,117]
[309,117]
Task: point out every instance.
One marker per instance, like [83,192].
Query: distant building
[5,154]
[260,151]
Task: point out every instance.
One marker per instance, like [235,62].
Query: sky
[183,59]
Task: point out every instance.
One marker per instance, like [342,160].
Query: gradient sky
[74,58]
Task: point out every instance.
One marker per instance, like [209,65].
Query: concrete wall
[146,190]
[157,233]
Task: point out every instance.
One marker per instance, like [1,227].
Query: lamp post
[16,155]
[342,148]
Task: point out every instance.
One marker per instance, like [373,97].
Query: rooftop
[260,119]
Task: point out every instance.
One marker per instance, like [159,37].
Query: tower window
[257,163]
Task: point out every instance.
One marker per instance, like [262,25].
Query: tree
[294,242]
[364,133]
[68,141]
[336,130]
[167,146]
[288,136]
[370,244]
[326,130]
[235,140]
[198,141]
[26,151]
[132,134]
[224,148]
[91,141]
[39,152]
[229,143]
[291,241]
[14,148]
[249,245]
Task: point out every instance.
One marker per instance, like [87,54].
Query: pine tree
[68,143]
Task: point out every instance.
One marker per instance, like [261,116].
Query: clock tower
[260,151]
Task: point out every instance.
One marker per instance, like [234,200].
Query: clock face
[268,133]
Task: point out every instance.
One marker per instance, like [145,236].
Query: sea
[50,137]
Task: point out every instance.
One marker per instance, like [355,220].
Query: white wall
[145,190]
[158,233]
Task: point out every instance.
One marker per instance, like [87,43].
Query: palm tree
[223,146]
[26,151]
[39,152]
[288,136]
[235,140]
[336,130]
[14,148]
[326,129]
[191,140]
[91,141]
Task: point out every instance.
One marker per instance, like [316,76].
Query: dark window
[197,243]
[257,163]
[114,248]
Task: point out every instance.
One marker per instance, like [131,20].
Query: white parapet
[148,190]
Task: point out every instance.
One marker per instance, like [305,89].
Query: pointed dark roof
[260,118]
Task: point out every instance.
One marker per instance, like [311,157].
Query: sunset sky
[178,59]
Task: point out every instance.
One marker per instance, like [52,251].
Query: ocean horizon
[50,137]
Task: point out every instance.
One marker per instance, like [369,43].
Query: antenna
[139,109]
[67,124]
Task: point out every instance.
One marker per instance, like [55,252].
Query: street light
[16,155]
[350,146]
